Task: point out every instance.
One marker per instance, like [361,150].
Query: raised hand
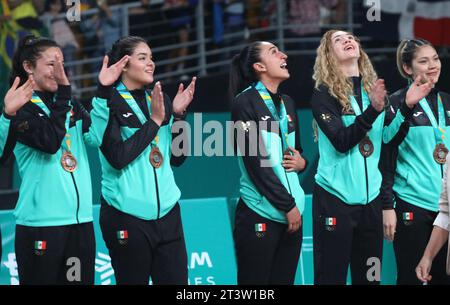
[378,94]
[59,73]
[157,105]
[183,97]
[15,98]
[418,90]
[109,75]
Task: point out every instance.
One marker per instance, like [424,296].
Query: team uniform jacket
[129,182]
[342,170]
[6,137]
[410,170]
[270,191]
[49,195]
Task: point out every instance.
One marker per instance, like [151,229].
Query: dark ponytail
[406,51]
[242,73]
[29,49]
[123,46]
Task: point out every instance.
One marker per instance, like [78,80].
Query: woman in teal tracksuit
[54,212]
[140,215]
[268,231]
[15,98]
[415,160]
[348,106]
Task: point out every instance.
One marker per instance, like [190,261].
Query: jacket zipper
[367,180]
[157,193]
[289,186]
[78,196]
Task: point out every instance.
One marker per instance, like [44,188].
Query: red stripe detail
[433,30]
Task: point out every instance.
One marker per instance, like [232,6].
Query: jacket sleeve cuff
[64,93]
[370,115]
[104,92]
[290,207]
[179,117]
[7,116]
[153,124]
[406,111]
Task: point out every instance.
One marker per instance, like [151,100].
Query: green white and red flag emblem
[330,221]
[260,227]
[122,234]
[40,245]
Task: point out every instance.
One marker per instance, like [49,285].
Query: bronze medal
[156,158]
[68,162]
[440,153]
[366,147]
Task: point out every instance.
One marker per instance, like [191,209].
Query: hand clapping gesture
[183,97]
[157,105]
[378,94]
[418,90]
[16,96]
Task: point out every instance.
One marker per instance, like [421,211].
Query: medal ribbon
[35,99]
[126,95]
[439,132]
[365,101]
[282,118]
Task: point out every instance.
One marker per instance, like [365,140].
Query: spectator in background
[252,13]
[139,17]
[89,29]
[234,19]
[304,15]
[25,13]
[228,20]
[61,32]
[178,13]
[339,12]
[439,235]
[109,23]
[258,15]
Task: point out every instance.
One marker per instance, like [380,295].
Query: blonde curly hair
[327,72]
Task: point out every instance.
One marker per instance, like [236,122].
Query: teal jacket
[49,195]
[412,174]
[129,182]
[342,170]
[265,186]
[4,132]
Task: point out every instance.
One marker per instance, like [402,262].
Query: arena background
[216,31]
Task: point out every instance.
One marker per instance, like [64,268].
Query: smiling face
[43,70]
[426,62]
[344,46]
[140,67]
[272,62]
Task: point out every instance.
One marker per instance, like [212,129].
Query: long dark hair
[406,51]
[29,49]
[242,73]
[123,46]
